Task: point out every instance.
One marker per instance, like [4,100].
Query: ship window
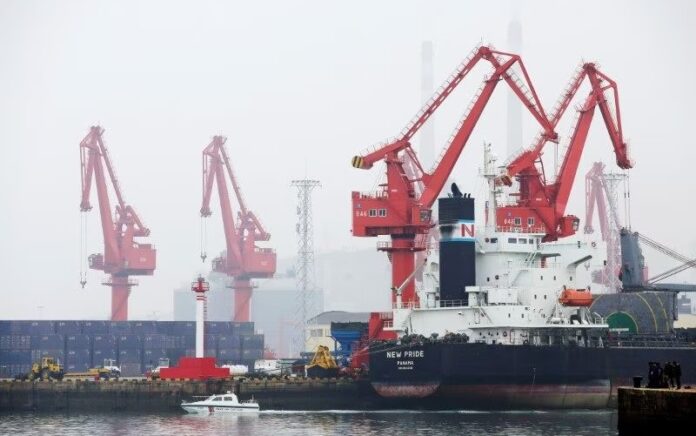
[523,315]
[372,212]
[228,398]
[217,399]
[494,240]
[508,315]
[554,277]
[535,296]
[544,297]
[542,277]
[488,279]
[487,240]
[497,277]
[530,221]
[518,221]
[571,278]
[512,240]
[383,212]
[522,241]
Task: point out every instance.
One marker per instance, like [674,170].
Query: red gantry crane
[541,205]
[243,259]
[402,208]
[123,257]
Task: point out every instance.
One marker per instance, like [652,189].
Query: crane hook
[203,256]
[83,281]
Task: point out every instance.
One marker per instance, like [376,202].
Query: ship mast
[490,175]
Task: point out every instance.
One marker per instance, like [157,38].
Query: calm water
[396,423]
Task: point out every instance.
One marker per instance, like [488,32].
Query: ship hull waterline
[481,376]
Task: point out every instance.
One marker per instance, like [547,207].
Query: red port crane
[123,256]
[243,260]
[401,209]
[541,205]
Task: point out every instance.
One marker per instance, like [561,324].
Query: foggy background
[298,88]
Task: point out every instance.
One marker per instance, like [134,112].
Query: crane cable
[83,249]
[204,239]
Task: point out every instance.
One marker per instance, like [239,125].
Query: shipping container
[119,327]
[179,328]
[252,342]
[218,328]
[13,357]
[77,342]
[152,357]
[69,327]
[129,356]
[129,342]
[51,341]
[104,342]
[78,357]
[228,342]
[252,354]
[95,327]
[143,327]
[154,341]
[210,342]
[243,328]
[98,356]
[188,341]
[229,356]
[131,369]
[6,327]
[37,328]
[15,342]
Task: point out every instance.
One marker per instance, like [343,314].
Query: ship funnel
[457,247]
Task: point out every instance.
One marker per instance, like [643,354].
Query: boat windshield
[229,399]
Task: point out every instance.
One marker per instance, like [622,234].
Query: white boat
[222,403]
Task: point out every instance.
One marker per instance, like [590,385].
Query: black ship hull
[480,376]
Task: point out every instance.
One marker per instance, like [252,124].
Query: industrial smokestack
[427,132]
[514,107]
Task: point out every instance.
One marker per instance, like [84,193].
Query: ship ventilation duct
[457,247]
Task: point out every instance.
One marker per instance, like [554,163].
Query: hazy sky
[298,87]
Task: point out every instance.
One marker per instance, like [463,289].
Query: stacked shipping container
[136,345]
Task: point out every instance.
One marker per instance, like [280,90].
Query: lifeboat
[576,297]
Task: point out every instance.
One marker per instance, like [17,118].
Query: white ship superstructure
[525,292]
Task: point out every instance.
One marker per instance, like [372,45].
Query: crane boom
[541,205]
[123,256]
[403,208]
[242,260]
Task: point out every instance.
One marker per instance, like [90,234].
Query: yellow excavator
[323,365]
[47,369]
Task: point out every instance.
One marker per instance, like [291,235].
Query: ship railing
[522,229]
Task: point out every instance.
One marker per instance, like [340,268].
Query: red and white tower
[200,287]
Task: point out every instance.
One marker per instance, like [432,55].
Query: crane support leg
[120,290]
[402,252]
[242,300]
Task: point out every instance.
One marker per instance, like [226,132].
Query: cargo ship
[503,321]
